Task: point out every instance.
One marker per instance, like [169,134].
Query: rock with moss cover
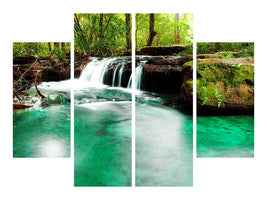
[186,94]
[225,86]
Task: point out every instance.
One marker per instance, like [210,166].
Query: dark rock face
[24,60]
[115,66]
[164,74]
[155,51]
[186,94]
[231,109]
[53,74]
[162,78]
[169,60]
[50,74]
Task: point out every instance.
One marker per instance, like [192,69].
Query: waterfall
[95,70]
[114,76]
[111,71]
[120,74]
[138,76]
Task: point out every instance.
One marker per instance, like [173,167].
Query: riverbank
[29,71]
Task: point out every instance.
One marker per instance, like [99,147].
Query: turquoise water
[42,132]
[102,147]
[102,137]
[225,136]
[164,143]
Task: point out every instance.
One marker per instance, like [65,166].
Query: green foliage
[31,48]
[210,94]
[188,51]
[100,34]
[231,76]
[242,49]
[216,78]
[165,27]
[226,55]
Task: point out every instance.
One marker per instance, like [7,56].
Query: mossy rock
[204,56]
[225,83]
[186,94]
[188,64]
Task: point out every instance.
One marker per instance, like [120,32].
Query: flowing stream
[102,121]
[44,131]
[103,132]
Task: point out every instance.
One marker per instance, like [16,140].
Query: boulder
[225,86]
[186,94]
[169,60]
[163,74]
[155,51]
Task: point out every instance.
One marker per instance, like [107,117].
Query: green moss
[221,82]
[188,64]
[190,83]
[230,75]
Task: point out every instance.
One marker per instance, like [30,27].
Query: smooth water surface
[225,136]
[164,143]
[42,132]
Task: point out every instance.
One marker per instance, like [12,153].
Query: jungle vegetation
[100,34]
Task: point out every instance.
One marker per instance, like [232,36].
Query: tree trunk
[136,29]
[49,46]
[56,46]
[91,31]
[152,32]
[177,31]
[128,31]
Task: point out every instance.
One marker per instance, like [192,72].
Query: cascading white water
[120,74]
[138,76]
[114,76]
[95,70]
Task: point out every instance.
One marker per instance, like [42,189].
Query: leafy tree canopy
[46,49]
[100,34]
[165,25]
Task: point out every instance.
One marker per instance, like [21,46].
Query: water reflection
[52,148]
[42,132]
